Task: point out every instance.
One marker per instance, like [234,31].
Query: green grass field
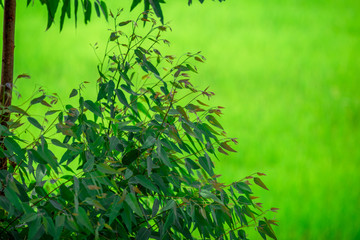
[287,73]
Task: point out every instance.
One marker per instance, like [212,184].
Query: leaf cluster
[89,6]
[137,161]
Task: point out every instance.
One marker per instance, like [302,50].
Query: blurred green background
[287,73]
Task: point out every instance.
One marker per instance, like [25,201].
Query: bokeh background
[287,73]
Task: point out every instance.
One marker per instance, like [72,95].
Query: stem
[7,69]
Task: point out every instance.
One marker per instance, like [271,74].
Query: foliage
[137,161]
[98,6]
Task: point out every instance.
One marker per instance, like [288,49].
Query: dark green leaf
[143,234]
[134,4]
[34,229]
[93,108]
[157,9]
[73,93]
[115,209]
[104,9]
[16,109]
[242,187]
[131,128]
[163,155]
[132,202]
[125,23]
[37,100]
[141,179]
[51,112]
[65,9]
[155,208]
[87,10]
[84,220]
[169,220]
[34,122]
[13,198]
[122,97]
[97,9]
[152,68]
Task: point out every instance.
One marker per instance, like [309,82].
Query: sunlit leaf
[212,120]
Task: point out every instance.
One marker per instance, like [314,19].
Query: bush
[137,162]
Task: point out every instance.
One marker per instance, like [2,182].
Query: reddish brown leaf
[222,151]
[274,209]
[260,183]
[227,147]
[260,174]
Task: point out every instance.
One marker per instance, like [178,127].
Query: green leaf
[52,6]
[182,112]
[122,98]
[37,100]
[104,168]
[130,128]
[242,187]
[12,146]
[13,198]
[95,203]
[59,225]
[51,112]
[15,109]
[169,220]
[104,10]
[143,234]
[212,120]
[34,229]
[73,93]
[264,228]
[191,164]
[126,78]
[49,226]
[84,220]
[87,10]
[207,165]
[141,179]
[150,141]
[207,194]
[64,10]
[143,109]
[152,68]
[134,4]
[35,123]
[93,108]
[124,23]
[132,202]
[163,155]
[157,9]
[155,207]
[97,9]
[260,183]
[115,209]
[169,205]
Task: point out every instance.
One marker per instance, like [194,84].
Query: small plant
[137,161]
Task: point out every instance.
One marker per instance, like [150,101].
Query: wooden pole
[7,69]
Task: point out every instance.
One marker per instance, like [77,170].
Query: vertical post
[7,69]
